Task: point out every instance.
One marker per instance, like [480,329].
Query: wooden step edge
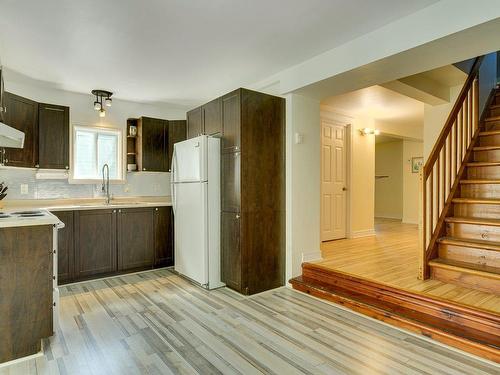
[476,201]
[494,106]
[472,220]
[483,164]
[491,119]
[489,132]
[479,181]
[476,244]
[486,148]
[469,268]
[472,346]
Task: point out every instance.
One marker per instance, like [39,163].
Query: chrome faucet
[105,182]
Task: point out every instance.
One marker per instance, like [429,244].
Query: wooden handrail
[446,164]
[452,116]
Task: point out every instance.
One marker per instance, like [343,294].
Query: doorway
[333,180]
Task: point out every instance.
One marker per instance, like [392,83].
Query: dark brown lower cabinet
[65,248]
[25,290]
[231,250]
[95,243]
[135,239]
[163,237]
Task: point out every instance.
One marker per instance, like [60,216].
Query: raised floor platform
[377,276]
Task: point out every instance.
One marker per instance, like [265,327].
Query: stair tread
[492,118]
[494,106]
[486,148]
[471,268]
[473,220]
[477,244]
[480,181]
[476,200]
[483,164]
[490,132]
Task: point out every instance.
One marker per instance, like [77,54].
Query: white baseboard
[362,233]
[311,256]
[394,217]
[410,221]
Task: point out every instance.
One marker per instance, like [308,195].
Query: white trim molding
[362,233]
[312,256]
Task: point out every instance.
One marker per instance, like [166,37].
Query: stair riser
[493,125]
[464,279]
[494,112]
[473,231]
[491,155]
[470,255]
[480,191]
[479,173]
[489,140]
[487,211]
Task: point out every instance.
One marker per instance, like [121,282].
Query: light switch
[24,189]
[299,138]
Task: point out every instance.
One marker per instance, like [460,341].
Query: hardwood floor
[391,257]
[158,323]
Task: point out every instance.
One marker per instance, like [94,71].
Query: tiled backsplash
[138,184]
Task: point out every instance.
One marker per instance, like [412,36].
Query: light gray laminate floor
[158,323]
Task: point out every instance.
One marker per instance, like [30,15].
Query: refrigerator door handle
[172,179]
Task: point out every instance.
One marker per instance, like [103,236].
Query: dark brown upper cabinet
[152,144]
[2,96]
[176,133]
[22,114]
[212,117]
[135,238]
[95,243]
[231,120]
[163,237]
[195,123]
[53,136]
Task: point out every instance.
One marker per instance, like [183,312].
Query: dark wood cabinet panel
[25,289]
[2,96]
[176,133]
[135,238]
[231,188]
[65,248]
[231,120]
[231,261]
[212,117]
[53,136]
[163,237]
[95,242]
[152,141]
[195,123]
[22,114]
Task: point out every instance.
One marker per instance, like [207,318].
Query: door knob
[344,188]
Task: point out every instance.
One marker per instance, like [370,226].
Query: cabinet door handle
[143,169]
[114,211]
[156,209]
[37,165]
[119,211]
[237,216]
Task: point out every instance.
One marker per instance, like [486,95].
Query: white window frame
[120,161]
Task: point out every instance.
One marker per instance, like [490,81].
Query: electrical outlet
[24,189]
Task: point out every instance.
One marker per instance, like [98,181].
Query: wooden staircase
[469,251]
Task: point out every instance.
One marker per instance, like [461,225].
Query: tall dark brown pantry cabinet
[253,191]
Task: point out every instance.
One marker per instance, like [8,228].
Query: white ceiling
[380,104]
[178,51]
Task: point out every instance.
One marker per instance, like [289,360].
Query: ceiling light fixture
[102,98]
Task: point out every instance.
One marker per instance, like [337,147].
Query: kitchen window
[94,147]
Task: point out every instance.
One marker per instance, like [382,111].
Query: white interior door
[333,181]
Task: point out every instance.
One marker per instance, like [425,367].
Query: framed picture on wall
[416,164]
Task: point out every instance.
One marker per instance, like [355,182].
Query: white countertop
[85,203]
[46,219]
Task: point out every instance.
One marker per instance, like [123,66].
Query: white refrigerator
[195,184]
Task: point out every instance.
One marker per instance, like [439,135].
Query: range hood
[10,137]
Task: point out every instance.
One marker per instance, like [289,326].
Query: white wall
[389,190]
[411,188]
[435,118]
[302,182]
[82,113]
